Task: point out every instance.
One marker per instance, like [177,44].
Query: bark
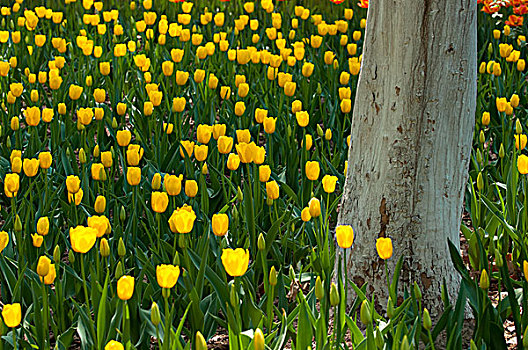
[410,143]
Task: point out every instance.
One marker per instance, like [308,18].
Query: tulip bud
[261,243]
[319,290]
[71,257]
[156,181]
[501,151]
[525,338]
[104,248]
[427,323]
[473,346]
[378,337]
[176,260]
[417,291]
[240,196]
[114,123]
[56,254]
[482,137]
[289,130]
[364,313]
[498,259]
[405,343]
[121,250]
[319,89]
[518,127]
[334,295]
[484,280]
[119,270]
[390,308]
[200,341]
[490,49]
[479,156]
[273,277]
[155,316]
[480,181]
[82,156]
[8,142]
[320,131]
[269,201]
[122,214]
[258,340]
[18,224]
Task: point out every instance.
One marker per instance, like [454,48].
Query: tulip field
[172,173]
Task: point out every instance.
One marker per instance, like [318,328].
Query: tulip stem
[14,339]
[158,219]
[45,325]
[84,282]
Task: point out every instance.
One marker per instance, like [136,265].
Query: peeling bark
[410,145]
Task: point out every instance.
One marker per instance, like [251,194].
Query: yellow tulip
[32,116]
[264,173]
[30,166]
[11,185]
[302,118]
[235,261]
[4,240]
[314,207]
[203,133]
[220,224]
[12,315]
[312,170]
[82,238]
[191,188]
[167,275]
[344,236]
[100,204]
[522,164]
[125,287]
[329,183]
[233,162]
[182,220]
[50,277]
[100,223]
[123,137]
[37,240]
[43,265]
[43,226]
[159,201]
[114,345]
[384,247]
[173,184]
[45,160]
[272,190]
[133,176]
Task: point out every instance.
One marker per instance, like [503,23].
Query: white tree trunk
[411,138]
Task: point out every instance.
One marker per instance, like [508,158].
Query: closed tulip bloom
[243,136]
[289,88]
[37,240]
[203,133]
[181,77]
[264,173]
[384,247]
[134,154]
[16,89]
[514,100]
[220,224]
[272,190]
[246,151]
[187,148]
[168,68]
[233,162]
[30,167]
[346,105]
[178,104]
[100,223]
[114,345]
[125,287]
[260,115]
[522,164]
[307,69]
[259,154]
[16,165]
[305,214]
[167,275]
[73,183]
[243,90]
[11,185]
[85,115]
[98,172]
[106,159]
[225,144]
[240,108]
[225,92]
[82,238]
[182,220]
[12,315]
[99,95]
[133,176]
[43,266]
[45,160]
[159,201]
[4,240]
[235,261]
[219,130]
[329,183]
[75,197]
[43,226]
[50,277]
[315,207]
[269,125]
[173,184]
[199,76]
[200,152]
[100,204]
[32,116]
[344,236]
[75,91]
[296,106]
[520,139]
[312,170]
[191,188]
[121,108]
[302,118]
[123,137]
[148,108]
[156,181]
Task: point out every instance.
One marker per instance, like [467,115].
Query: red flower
[520,10]
[337,1]
[363,3]
[514,21]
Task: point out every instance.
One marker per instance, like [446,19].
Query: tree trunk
[411,139]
